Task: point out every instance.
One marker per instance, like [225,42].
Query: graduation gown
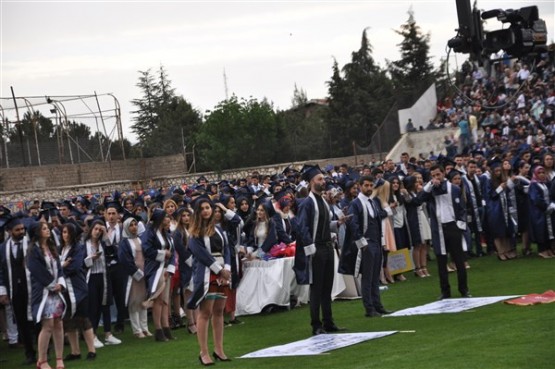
[541,221]
[185,259]
[429,195]
[43,280]
[204,263]
[233,229]
[412,204]
[360,232]
[126,257]
[498,215]
[306,223]
[6,275]
[154,250]
[76,284]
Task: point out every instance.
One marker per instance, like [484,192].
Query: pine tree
[146,119]
[414,72]
[299,97]
[360,96]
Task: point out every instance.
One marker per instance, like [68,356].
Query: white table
[273,282]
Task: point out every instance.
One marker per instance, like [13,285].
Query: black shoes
[466,295]
[118,328]
[91,356]
[334,329]
[203,363]
[218,357]
[384,311]
[372,314]
[71,357]
[168,333]
[159,336]
[318,331]
[443,296]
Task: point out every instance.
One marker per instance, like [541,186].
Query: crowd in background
[65,263]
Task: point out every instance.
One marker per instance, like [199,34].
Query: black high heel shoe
[203,363]
[217,357]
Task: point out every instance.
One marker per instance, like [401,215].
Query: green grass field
[494,336]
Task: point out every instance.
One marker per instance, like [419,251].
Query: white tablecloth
[273,282]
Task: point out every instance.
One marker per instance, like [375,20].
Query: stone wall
[56,182]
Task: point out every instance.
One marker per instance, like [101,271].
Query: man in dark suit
[362,250]
[314,258]
[15,284]
[447,213]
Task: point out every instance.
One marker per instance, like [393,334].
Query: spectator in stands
[410,126]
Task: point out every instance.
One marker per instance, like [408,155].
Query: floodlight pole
[19,130]
[5,135]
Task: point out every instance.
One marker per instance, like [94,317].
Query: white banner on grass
[317,344]
[450,305]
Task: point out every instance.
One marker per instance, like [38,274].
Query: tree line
[241,132]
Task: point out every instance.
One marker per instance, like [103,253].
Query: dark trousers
[118,278]
[371,266]
[96,290]
[323,271]
[453,243]
[25,327]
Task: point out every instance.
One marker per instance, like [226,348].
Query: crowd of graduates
[64,263]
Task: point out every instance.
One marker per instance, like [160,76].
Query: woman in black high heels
[212,276]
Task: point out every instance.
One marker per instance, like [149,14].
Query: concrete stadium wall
[421,112]
[421,142]
[55,182]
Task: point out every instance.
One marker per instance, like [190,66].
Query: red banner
[533,299]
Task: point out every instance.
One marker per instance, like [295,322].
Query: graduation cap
[178,191]
[328,168]
[412,166]
[310,171]
[116,196]
[95,219]
[261,194]
[494,163]
[288,170]
[380,182]
[83,201]
[453,173]
[114,204]
[202,178]
[68,204]
[127,214]
[200,199]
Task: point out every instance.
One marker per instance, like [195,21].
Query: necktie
[372,211]
[15,249]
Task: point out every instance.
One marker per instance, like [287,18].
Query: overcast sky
[74,48]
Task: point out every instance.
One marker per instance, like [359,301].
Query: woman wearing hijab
[72,256]
[47,283]
[158,250]
[541,210]
[130,254]
[212,276]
